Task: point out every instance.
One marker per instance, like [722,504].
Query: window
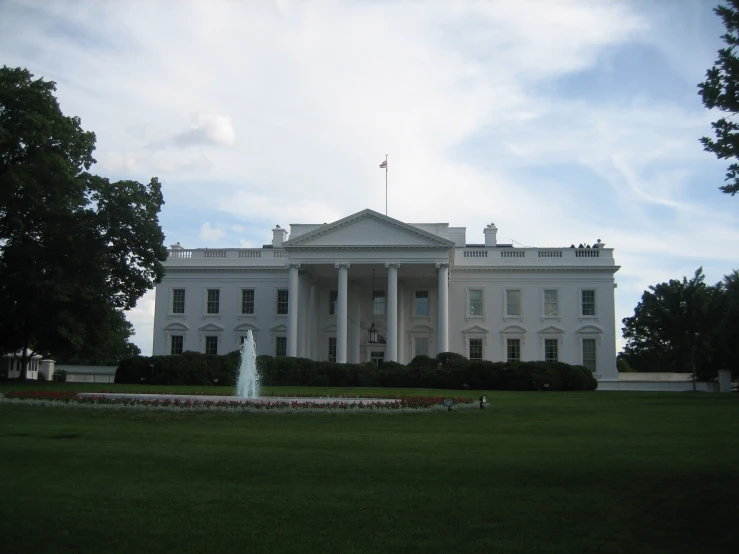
[475,308]
[513,303]
[178,301]
[177,344]
[377,357]
[551,308]
[282,301]
[247,301]
[513,350]
[475,349]
[213,301]
[422,303]
[551,350]
[378,302]
[421,346]
[280,347]
[333,298]
[588,354]
[332,349]
[588,302]
[242,340]
[211,345]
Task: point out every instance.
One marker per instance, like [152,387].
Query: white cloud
[142,318]
[205,129]
[142,163]
[209,233]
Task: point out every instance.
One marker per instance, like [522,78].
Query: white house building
[420,287]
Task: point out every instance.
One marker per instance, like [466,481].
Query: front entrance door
[421,346]
[377,357]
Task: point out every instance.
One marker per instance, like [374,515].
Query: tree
[74,247]
[727,332]
[673,328]
[721,90]
[107,344]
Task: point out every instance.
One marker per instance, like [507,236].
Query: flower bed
[344,404]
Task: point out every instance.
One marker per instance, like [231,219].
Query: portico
[345,257]
[355,307]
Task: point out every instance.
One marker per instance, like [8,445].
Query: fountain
[247,385]
[247,388]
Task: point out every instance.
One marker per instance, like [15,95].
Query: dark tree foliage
[75,249]
[682,326]
[720,90]
[108,342]
[726,334]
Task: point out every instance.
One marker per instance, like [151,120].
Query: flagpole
[385,184]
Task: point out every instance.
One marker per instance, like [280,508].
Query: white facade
[312,296]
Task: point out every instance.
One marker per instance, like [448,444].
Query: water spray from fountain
[248,384]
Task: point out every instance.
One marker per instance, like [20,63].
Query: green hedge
[447,371]
[188,368]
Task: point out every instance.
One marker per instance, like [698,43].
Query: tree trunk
[24,364]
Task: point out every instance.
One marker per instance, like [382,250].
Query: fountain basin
[237,399]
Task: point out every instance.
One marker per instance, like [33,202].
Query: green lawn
[535,472]
[7,386]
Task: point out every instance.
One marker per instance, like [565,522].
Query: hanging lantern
[372,338]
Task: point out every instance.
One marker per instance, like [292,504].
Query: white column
[312,352]
[292,311]
[391,349]
[302,299]
[356,335]
[443,328]
[341,313]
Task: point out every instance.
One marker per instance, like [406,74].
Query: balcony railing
[531,256]
[224,253]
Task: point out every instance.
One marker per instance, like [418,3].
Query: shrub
[450,360]
[448,371]
[423,361]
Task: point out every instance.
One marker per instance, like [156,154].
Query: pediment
[474,329]
[552,329]
[281,328]
[213,327]
[368,229]
[246,327]
[177,326]
[513,329]
[589,329]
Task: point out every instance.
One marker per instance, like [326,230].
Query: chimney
[491,232]
[279,236]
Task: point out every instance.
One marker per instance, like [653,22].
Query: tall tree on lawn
[74,247]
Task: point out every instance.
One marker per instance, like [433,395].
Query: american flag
[384,164]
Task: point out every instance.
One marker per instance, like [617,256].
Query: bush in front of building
[448,371]
[188,368]
[452,372]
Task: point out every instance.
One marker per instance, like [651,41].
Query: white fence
[657,382]
[88,373]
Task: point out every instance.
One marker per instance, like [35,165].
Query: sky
[561,121]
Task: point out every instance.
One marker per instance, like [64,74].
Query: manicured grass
[7,386]
[535,472]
